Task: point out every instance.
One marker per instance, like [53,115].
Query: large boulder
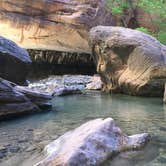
[16,100]
[52,25]
[91,144]
[14,61]
[129,61]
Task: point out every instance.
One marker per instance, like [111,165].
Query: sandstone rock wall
[60,25]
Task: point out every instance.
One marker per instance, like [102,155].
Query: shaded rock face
[60,25]
[129,61]
[91,144]
[49,62]
[14,61]
[60,58]
[16,100]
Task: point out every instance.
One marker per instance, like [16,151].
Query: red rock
[52,24]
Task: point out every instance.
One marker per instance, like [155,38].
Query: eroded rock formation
[60,25]
[16,100]
[51,62]
[129,61]
[91,144]
[14,61]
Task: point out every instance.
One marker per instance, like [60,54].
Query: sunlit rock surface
[67,84]
[129,61]
[60,25]
[95,84]
[14,61]
[91,144]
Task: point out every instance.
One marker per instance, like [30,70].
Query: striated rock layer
[91,144]
[16,100]
[129,61]
[49,62]
[60,25]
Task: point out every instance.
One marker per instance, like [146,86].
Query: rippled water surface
[25,137]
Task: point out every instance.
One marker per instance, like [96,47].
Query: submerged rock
[16,100]
[14,61]
[91,144]
[129,61]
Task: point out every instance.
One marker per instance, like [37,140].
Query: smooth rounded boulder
[91,144]
[14,61]
[129,61]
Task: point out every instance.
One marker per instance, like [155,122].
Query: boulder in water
[16,100]
[91,144]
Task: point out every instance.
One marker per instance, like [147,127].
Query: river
[24,138]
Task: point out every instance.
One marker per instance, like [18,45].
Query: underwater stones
[91,144]
[61,25]
[14,61]
[129,61]
[16,100]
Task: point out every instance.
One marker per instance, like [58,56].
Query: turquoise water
[132,114]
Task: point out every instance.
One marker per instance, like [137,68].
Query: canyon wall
[60,25]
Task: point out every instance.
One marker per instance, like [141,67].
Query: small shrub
[117,10]
[143,29]
[161,36]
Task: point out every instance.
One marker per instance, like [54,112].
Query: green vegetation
[117,6]
[155,8]
[143,29]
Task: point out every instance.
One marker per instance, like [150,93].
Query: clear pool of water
[27,136]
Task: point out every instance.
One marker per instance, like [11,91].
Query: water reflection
[133,115]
